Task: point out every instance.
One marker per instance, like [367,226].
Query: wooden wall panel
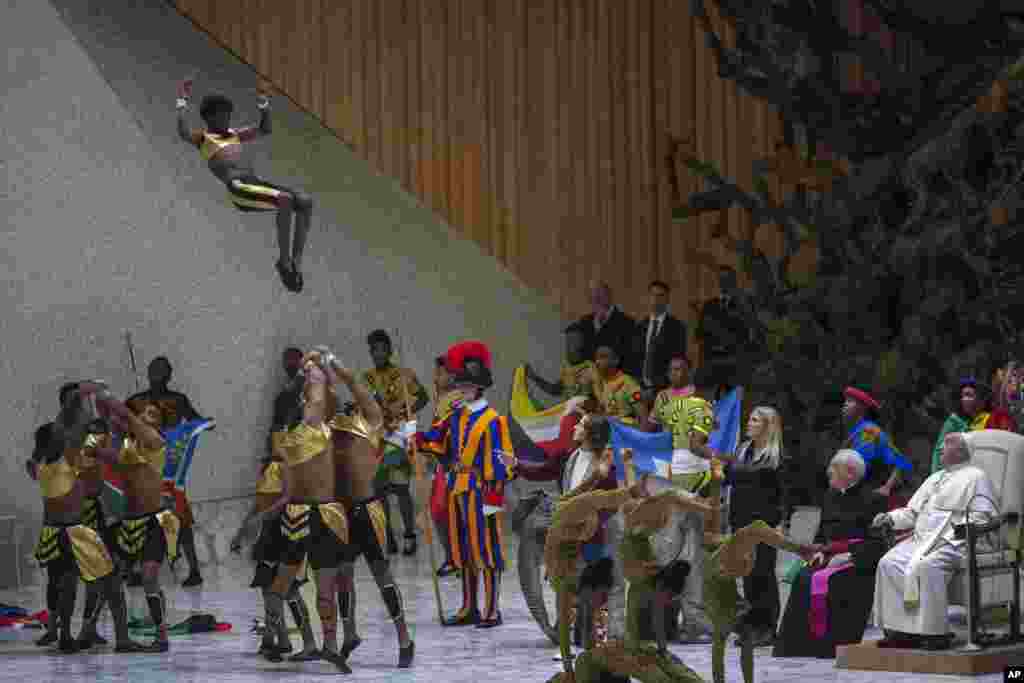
[537,128]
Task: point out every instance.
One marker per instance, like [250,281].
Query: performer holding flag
[175,408]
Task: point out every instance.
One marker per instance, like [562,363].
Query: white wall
[111,224]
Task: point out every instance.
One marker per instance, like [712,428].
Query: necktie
[654,328]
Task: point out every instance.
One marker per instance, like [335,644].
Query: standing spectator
[885,464]
[663,335]
[577,375]
[175,408]
[974,411]
[286,403]
[608,326]
[617,392]
[753,472]
[722,332]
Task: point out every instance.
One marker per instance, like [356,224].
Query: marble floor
[515,652]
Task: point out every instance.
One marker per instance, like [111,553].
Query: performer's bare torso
[313,480]
[355,467]
[142,489]
[230,162]
[66,509]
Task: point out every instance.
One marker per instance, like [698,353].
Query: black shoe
[405,655]
[492,622]
[447,569]
[463,618]
[134,579]
[936,643]
[349,647]
[337,660]
[410,545]
[47,640]
[160,645]
[392,545]
[287,275]
[86,641]
[131,647]
[297,280]
[67,646]
[902,641]
[313,655]
[193,580]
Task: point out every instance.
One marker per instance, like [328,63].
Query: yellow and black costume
[153,536]
[367,519]
[317,531]
[69,547]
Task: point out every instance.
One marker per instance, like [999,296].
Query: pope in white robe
[912,581]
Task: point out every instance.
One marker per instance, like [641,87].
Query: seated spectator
[912,582]
[577,375]
[1004,387]
[830,601]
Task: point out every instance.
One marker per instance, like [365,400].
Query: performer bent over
[272,494]
[220,146]
[476,439]
[68,549]
[147,533]
[357,440]
[313,522]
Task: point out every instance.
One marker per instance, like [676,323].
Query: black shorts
[141,539]
[367,528]
[270,543]
[317,532]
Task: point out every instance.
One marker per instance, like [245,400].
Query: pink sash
[819,596]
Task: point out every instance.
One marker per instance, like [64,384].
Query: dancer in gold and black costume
[68,549]
[220,146]
[272,493]
[358,433]
[148,533]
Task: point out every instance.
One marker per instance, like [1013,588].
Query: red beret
[862,397]
[457,355]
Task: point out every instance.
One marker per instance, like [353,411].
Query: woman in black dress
[831,599]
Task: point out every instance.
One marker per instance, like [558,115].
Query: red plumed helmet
[470,363]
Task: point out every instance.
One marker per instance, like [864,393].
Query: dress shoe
[492,622]
[405,655]
[447,569]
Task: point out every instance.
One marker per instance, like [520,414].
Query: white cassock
[912,581]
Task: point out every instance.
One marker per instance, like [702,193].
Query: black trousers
[761,589]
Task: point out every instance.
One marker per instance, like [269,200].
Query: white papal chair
[991,575]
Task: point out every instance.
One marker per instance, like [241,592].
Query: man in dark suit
[723,332]
[661,335]
[609,326]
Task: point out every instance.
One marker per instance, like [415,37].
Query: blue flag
[182,442]
[729,414]
[652,452]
